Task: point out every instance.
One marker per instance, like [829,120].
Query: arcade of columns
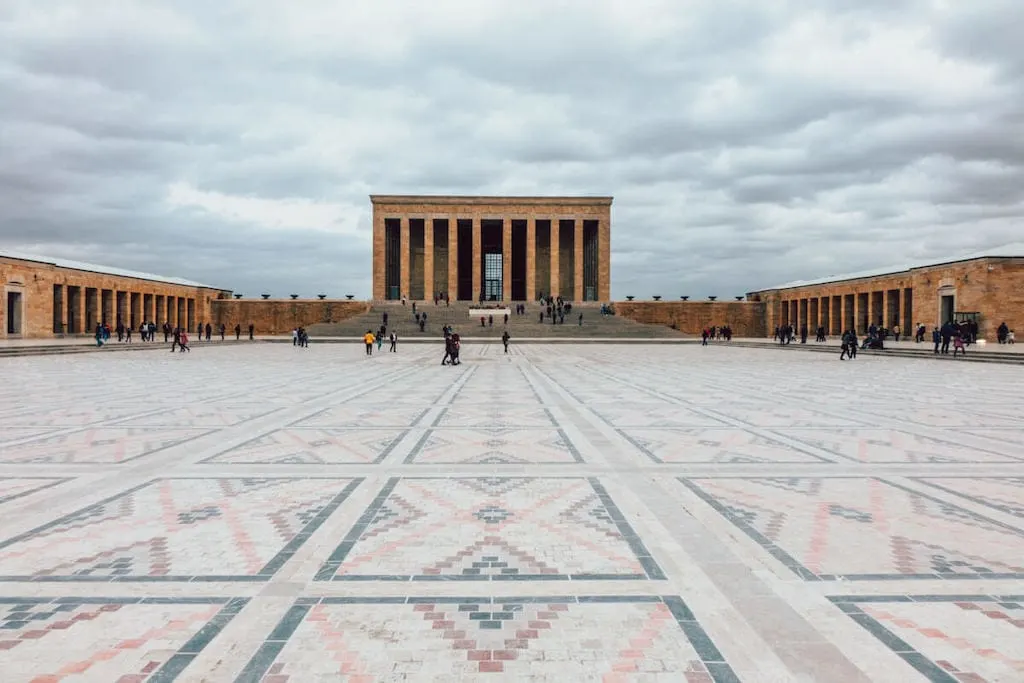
[491,248]
[851,310]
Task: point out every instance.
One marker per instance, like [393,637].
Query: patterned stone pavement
[562,513]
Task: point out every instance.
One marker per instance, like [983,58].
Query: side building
[987,287]
[491,248]
[46,297]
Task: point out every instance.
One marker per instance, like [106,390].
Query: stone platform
[257,512]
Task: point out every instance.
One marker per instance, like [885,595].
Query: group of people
[148,332]
[300,337]
[370,339]
[715,332]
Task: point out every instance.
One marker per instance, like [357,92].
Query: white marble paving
[566,512]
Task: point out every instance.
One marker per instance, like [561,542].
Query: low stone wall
[281,316]
[746,318]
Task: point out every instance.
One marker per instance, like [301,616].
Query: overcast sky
[745,143]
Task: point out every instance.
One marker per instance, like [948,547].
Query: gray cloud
[746,143]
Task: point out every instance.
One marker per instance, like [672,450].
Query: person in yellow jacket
[369,339]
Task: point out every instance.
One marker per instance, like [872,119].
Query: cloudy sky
[746,143]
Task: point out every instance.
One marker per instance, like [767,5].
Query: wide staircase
[402,321]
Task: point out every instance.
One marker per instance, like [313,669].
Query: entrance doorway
[946,304]
[14,313]
[492,277]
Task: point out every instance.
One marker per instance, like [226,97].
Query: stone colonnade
[43,299]
[491,248]
[855,310]
[77,310]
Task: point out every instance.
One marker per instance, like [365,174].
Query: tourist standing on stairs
[504,339]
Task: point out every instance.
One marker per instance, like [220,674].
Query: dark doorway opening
[946,302]
[13,313]
[392,264]
[590,259]
[440,282]
[518,260]
[58,309]
[417,258]
[491,242]
[466,265]
[542,258]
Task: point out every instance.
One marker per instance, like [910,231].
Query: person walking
[238,331]
[504,340]
[936,338]
[394,342]
[251,328]
[177,339]
[958,345]
[183,341]
[368,339]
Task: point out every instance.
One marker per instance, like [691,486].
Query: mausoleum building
[491,248]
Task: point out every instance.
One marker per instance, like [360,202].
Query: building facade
[987,287]
[53,297]
[491,248]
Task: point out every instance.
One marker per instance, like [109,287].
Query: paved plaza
[263,513]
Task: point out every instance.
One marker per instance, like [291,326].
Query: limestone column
[379,258]
[555,279]
[577,261]
[453,258]
[477,258]
[531,259]
[506,260]
[604,256]
[403,258]
[428,259]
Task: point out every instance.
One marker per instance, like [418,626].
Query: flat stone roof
[1014,250]
[104,270]
[488,201]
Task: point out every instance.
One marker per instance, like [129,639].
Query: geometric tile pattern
[97,445]
[201,416]
[494,446]
[12,488]
[341,495]
[1002,493]
[893,445]
[107,639]
[540,639]
[719,445]
[491,529]
[864,529]
[495,415]
[178,530]
[313,447]
[947,638]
